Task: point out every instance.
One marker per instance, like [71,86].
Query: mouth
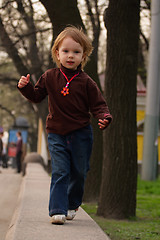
[70,62]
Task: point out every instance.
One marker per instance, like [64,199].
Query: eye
[65,50]
[76,51]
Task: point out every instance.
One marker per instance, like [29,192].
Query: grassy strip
[145,226]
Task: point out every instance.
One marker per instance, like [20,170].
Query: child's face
[70,53]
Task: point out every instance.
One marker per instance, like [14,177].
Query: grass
[146,225]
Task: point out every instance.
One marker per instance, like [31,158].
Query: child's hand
[103,123]
[23,81]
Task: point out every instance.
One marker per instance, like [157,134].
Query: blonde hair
[78,36]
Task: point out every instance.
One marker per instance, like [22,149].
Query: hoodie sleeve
[35,93]
[97,103]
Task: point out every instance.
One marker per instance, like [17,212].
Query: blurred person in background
[4,152]
[19,151]
[1,147]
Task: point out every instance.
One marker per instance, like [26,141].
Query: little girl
[72,96]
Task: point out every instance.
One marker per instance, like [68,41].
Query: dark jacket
[19,146]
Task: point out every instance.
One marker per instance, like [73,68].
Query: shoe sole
[58,219]
[58,222]
[69,218]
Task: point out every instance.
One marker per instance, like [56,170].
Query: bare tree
[19,39]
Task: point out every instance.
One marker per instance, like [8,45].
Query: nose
[70,55]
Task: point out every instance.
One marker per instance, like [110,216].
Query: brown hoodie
[70,112]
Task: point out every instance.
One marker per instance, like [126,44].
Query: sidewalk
[31,220]
[10,183]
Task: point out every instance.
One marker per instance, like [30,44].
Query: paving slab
[31,220]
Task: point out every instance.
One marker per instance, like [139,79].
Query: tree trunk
[93,181]
[119,177]
[62,13]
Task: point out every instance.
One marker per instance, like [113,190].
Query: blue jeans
[70,163]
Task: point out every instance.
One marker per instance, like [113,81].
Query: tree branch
[148,3]
[145,39]
[36,65]
[6,79]
[6,4]
[8,111]
[11,50]
[91,15]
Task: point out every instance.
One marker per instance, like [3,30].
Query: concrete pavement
[31,221]
[10,183]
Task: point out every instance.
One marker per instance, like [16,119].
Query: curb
[14,221]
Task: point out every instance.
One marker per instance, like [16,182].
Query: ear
[84,56]
[57,54]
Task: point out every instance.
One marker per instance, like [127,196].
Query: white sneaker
[71,214]
[58,219]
